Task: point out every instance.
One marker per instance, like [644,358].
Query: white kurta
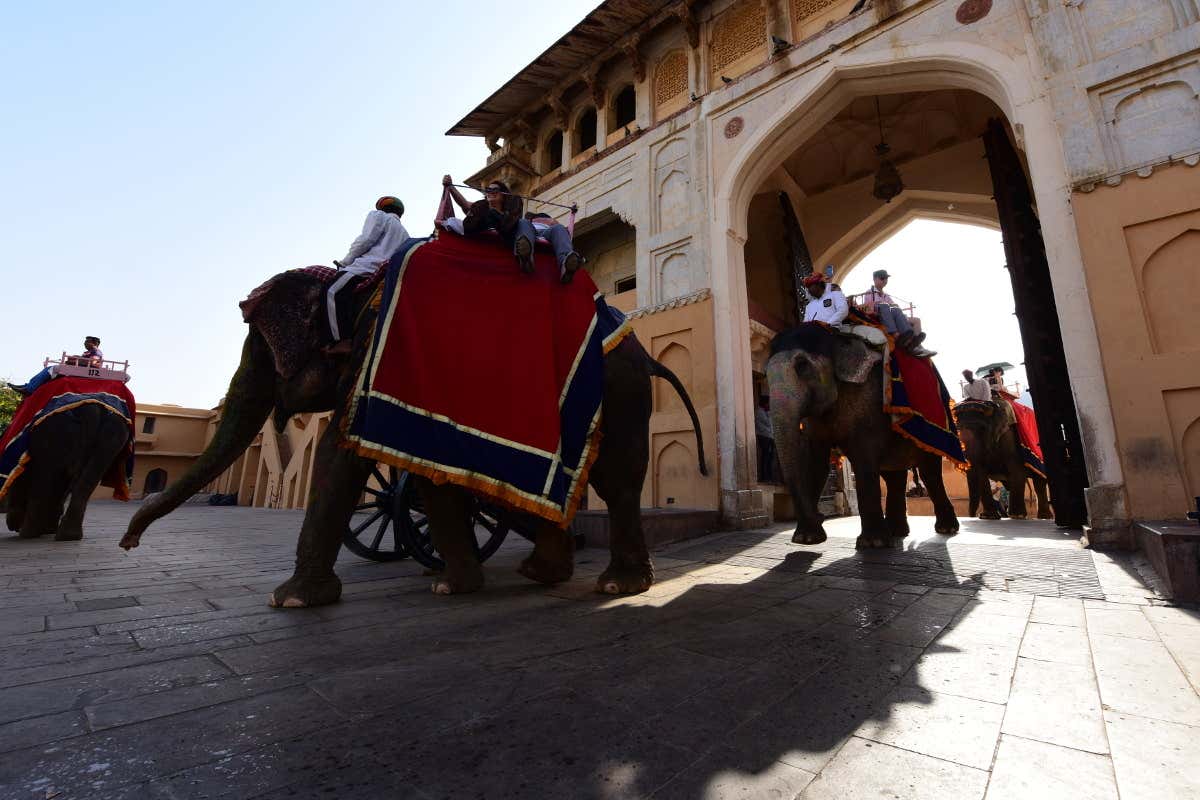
[830,308]
[381,236]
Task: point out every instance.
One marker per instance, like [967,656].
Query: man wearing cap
[878,302]
[826,303]
[381,236]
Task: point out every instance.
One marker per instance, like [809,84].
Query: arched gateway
[1062,124]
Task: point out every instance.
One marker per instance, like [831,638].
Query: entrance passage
[881,162]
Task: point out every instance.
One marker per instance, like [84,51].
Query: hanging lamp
[888,183]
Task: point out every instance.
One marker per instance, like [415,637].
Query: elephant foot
[130,541]
[876,541]
[542,571]
[946,527]
[1018,516]
[458,581]
[1045,515]
[898,530]
[809,535]
[71,534]
[30,533]
[305,592]
[626,579]
[990,515]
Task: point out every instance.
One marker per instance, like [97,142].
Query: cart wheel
[375,536]
[491,526]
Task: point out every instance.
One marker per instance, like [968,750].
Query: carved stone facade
[1100,98]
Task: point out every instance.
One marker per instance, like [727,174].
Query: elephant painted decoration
[70,452]
[283,367]
[992,448]
[827,391]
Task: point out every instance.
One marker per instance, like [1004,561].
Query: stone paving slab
[1006,662]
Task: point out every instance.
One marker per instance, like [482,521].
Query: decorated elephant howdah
[828,390]
[68,437]
[284,367]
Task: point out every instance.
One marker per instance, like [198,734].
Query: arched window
[156,481]
[624,109]
[585,131]
[553,157]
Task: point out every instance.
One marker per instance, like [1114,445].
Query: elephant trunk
[789,406]
[248,404]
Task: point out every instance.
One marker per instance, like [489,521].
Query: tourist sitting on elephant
[500,210]
[826,302]
[976,388]
[90,357]
[878,302]
[381,236]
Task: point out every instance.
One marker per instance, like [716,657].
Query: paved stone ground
[754,668]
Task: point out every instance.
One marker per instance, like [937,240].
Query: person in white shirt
[381,237]
[976,388]
[826,303]
[878,302]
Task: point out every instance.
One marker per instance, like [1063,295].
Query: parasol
[984,370]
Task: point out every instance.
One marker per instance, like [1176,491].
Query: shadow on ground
[746,667]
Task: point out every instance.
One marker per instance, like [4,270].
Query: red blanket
[483,376]
[55,397]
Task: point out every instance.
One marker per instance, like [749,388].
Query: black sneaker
[571,265]
[524,251]
[21,390]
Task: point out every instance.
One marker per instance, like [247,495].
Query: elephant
[69,454]
[826,391]
[285,368]
[991,445]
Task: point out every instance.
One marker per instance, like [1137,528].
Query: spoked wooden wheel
[374,535]
[491,526]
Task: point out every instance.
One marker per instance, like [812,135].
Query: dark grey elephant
[69,454]
[991,445]
[284,367]
[826,392]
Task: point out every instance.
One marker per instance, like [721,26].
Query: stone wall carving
[670,77]
[674,276]
[1150,115]
[803,9]
[677,358]
[739,32]
[1166,273]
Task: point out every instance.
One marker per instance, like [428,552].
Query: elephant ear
[853,359]
[287,312]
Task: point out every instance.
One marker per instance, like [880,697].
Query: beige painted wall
[1141,247]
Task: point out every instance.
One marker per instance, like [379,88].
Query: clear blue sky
[162,159]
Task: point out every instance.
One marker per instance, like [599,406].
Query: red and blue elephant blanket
[58,396]
[485,377]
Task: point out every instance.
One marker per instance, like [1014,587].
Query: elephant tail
[659,371]
[247,406]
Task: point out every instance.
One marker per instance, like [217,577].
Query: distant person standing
[765,434]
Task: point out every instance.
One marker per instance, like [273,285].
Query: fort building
[715,149]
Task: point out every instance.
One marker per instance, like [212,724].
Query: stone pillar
[743,504]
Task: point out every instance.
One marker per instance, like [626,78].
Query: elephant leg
[1016,492]
[18,497]
[972,492]
[896,514]
[47,494]
[946,520]
[814,471]
[979,480]
[452,528]
[338,480]
[1043,503]
[70,527]
[629,569]
[874,532]
[553,557]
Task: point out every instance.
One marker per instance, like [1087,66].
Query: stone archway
[788,116]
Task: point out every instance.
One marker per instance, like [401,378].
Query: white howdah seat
[105,371]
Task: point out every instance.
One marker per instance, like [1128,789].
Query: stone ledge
[660,525]
[1174,550]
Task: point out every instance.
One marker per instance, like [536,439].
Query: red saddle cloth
[58,396]
[1027,427]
